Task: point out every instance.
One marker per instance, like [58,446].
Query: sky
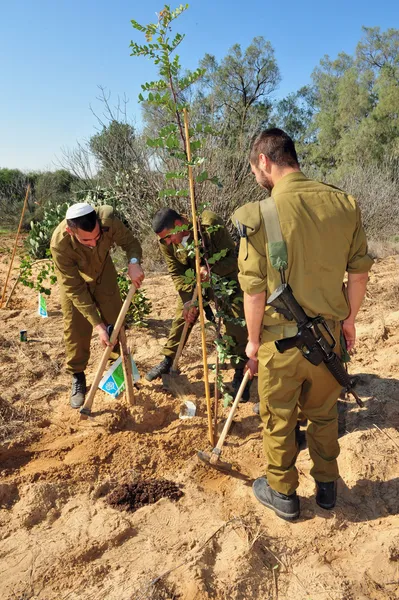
[55,53]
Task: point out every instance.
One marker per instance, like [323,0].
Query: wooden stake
[16,242]
[198,278]
[12,290]
[127,366]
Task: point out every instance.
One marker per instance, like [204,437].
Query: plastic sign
[113,382]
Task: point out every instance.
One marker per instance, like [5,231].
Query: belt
[284,330]
[291,330]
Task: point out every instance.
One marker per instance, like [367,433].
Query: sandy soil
[59,539]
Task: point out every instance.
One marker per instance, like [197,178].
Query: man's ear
[264,162]
[68,230]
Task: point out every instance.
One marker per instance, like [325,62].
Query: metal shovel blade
[220,465]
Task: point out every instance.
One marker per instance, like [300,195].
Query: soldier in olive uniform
[321,226]
[87,280]
[174,233]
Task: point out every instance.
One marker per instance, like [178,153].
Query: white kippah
[78,210]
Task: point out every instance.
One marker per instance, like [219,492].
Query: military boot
[326,494]
[163,367]
[78,390]
[235,384]
[285,507]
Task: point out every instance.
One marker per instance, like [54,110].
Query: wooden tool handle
[215,456]
[86,408]
[127,366]
[183,337]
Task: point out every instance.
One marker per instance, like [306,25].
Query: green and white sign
[113,382]
[42,307]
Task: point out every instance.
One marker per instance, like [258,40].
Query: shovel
[169,382]
[214,458]
[85,411]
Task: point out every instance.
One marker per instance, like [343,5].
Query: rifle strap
[276,246]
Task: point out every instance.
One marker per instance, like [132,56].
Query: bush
[140,306]
[376,187]
[38,240]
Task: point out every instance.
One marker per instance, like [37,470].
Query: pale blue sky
[54,54]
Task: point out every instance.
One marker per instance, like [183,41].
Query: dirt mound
[60,538]
[132,496]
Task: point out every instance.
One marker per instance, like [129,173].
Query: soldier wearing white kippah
[87,279]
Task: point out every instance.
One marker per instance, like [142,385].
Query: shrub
[39,237]
[140,306]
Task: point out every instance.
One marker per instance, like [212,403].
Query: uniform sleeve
[252,264]
[75,287]
[359,261]
[222,240]
[123,237]
[177,270]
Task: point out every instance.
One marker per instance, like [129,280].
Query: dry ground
[60,540]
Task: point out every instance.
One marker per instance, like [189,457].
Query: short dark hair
[86,222]
[165,218]
[276,145]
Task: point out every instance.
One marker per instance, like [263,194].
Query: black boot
[235,384]
[326,494]
[78,390]
[163,367]
[285,507]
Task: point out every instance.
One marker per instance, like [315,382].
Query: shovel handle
[86,408]
[127,366]
[183,337]
[217,451]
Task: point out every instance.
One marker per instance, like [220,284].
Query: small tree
[169,96]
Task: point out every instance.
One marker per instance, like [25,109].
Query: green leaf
[202,177]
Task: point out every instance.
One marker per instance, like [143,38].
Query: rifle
[310,339]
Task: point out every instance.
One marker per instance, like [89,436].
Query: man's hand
[204,273]
[103,335]
[252,367]
[136,274]
[251,350]
[349,331]
[190,312]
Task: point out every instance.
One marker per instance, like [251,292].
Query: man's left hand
[204,273]
[136,274]
[190,312]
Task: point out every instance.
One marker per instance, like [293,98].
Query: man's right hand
[349,331]
[103,335]
[251,350]
[252,367]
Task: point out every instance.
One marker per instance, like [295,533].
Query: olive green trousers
[290,385]
[77,329]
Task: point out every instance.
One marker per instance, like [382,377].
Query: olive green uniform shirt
[322,228]
[77,266]
[178,261]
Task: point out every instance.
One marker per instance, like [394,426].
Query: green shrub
[140,306]
[39,237]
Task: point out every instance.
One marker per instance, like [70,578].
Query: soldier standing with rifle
[294,251]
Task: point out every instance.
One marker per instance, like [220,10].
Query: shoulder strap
[276,246]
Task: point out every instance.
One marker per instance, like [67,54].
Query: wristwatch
[134,261]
